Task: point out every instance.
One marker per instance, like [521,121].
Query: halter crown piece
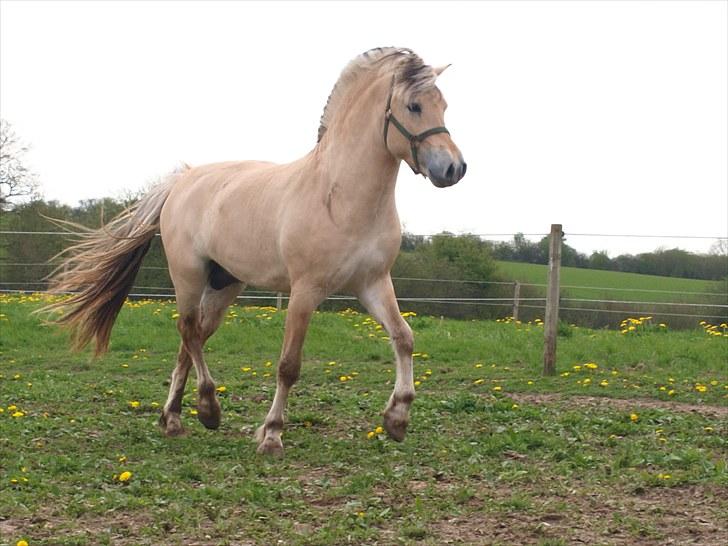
[414,140]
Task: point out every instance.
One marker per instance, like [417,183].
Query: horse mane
[409,70]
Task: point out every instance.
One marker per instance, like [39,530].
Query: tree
[16,180]
[719,248]
[600,260]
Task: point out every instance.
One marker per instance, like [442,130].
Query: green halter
[414,140]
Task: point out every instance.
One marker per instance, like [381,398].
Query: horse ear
[440,69]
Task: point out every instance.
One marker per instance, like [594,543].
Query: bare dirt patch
[661,516]
[619,403]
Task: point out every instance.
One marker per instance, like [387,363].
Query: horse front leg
[379,299]
[300,308]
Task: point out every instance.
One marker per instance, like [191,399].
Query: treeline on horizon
[443,256]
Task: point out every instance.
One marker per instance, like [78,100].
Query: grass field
[626,445]
[620,285]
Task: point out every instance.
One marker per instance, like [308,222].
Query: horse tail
[98,271]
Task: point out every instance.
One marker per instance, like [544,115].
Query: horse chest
[368,257]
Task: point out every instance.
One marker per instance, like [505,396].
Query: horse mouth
[443,182]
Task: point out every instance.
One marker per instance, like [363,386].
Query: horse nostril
[450,171]
[465,168]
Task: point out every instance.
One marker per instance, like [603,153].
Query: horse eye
[414,108]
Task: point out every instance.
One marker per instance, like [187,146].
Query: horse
[324,223]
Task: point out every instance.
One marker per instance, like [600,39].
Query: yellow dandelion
[478,381]
[221,388]
[497,388]
[378,430]
[125,476]
[134,403]
[634,417]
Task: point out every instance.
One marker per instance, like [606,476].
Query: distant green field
[617,285]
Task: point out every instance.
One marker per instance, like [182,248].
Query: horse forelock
[411,76]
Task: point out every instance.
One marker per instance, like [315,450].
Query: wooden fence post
[516,296]
[279,301]
[551,320]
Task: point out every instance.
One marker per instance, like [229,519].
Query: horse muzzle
[442,168]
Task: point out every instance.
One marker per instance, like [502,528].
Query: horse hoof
[209,420]
[396,428]
[171,425]
[271,447]
[208,412]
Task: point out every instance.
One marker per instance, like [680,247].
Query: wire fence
[449,297]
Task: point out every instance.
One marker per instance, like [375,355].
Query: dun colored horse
[324,223]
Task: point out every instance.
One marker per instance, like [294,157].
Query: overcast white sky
[608,117]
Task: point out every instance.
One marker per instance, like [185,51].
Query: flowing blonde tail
[99,270]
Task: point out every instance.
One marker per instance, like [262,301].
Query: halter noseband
[414,140]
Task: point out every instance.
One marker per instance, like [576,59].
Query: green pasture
[619,285]
[627,444]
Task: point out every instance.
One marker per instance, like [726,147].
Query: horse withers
[322,224]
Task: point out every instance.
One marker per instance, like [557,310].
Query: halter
[414,140]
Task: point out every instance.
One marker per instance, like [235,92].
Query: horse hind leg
[170,420]
[215,302]
[201,311]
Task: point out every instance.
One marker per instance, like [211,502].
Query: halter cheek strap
[414,140]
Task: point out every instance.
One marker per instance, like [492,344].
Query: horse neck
[358,169]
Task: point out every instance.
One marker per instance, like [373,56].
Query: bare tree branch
[16,180]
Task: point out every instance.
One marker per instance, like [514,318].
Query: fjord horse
[324,223]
